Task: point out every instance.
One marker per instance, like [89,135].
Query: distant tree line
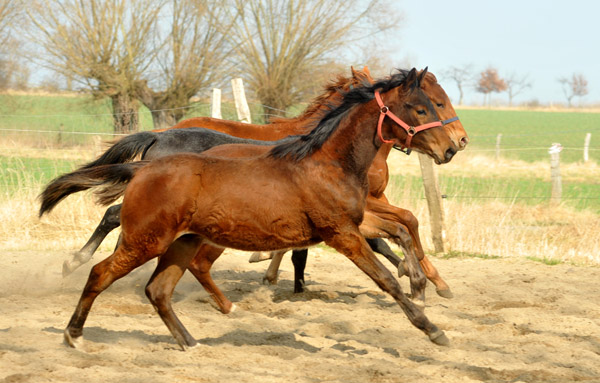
[489,81]
[162,53]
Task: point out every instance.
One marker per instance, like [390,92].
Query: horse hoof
[72,342]
[267,281]
[66,269]
[188,345]
[446,293]
[439,338]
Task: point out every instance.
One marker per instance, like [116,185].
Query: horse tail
[125,150]
[112,178]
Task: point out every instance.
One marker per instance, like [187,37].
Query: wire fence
[59,139]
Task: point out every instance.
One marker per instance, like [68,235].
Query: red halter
[410,130]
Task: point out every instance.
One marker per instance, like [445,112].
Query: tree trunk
[125,114]
[163,119]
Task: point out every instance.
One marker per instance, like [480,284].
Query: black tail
[125,150]
[113,178]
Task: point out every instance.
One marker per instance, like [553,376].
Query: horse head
[445,110]
[421,129]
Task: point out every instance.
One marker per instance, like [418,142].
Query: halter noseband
[410,130]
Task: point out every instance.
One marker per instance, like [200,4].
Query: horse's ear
[411,79]
[422,74]
[367,71]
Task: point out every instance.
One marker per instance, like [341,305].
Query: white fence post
[554,151]
[586,147]
[434,202]
[241,105]
[498,139]
[216,103]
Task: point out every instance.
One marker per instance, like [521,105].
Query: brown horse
[378,172]
[291,196]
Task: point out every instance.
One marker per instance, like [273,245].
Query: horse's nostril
[464,141]
[450,153]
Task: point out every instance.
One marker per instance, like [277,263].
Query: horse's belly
[256,230]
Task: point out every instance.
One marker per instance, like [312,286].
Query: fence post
[498,139]
[434,202]
[586,147]
[216,103]
[554,151]
[241,105]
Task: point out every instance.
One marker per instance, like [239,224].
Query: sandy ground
[511,320]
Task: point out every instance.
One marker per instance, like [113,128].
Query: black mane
[305,145]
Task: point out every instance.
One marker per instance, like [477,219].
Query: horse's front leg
[373,226]
[353,245]
[404,217]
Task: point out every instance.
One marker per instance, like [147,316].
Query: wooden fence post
[216,103]
[434,202]
[498,139]
[241,105]
[554,151]
[586,147]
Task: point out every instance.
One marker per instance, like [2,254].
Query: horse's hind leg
[110,221]
[200,266]
[102,275]
[161,285]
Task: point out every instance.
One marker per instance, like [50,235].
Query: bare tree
[103,44]
[489,81]
[10,71]
[278,43]
[516,85]
[461,75]
[193,56]
[577,85]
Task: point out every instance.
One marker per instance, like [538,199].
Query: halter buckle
[384,109]
[411,131]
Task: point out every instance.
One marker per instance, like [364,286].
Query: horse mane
[305,145]
[314,108]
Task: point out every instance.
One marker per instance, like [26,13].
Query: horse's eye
[441,106]
[421,112]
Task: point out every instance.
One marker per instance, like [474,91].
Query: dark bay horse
[152,145]
[292,195]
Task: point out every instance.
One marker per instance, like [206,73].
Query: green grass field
[527,135]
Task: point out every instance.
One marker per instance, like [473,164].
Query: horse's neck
[268,132]
[354,144]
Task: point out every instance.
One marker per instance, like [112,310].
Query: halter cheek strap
[410,130]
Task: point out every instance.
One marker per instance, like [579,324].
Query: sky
[544,40]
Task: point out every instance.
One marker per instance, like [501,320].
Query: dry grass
[495,228]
